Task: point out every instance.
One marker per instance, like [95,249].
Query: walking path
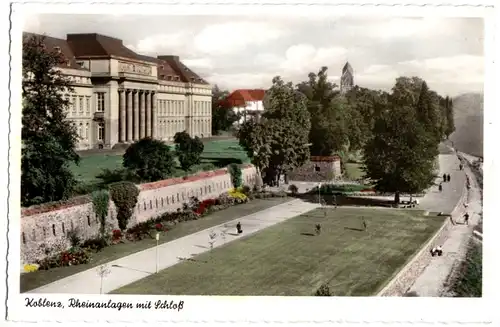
[432,281]
[131,268]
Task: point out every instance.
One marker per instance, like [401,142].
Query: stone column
[154,116]
[136,115]
[123,117]
[130,117]
[142,123]
[149,119]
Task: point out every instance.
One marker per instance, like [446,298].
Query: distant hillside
[468,136]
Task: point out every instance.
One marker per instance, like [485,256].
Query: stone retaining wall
[402,282]
[46,226]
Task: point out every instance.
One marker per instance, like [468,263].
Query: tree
[223,116]
[48,139]
[149,159]
[450,117]
[428,112]
[401,155]
[280,139]
[188,149]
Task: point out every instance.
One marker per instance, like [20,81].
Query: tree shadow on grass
[355,229]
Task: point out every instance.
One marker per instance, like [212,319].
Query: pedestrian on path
[466,218]
[440,187]
[461,167]
[444,177]
[448,178]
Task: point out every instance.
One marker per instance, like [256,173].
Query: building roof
[55,44]
[85,46]
[241,96]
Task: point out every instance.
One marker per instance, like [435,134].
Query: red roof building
[247,102]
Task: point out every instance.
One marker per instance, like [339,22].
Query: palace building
[120,96]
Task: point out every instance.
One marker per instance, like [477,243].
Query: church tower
[347,79]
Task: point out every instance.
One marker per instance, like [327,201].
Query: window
[80,130]
[100,131]
[73,102]
[81,104]
[100,101]
[88,104]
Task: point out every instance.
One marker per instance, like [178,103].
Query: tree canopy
[223,117]
[279,141]
[149,159]
[188,149]
[48,139]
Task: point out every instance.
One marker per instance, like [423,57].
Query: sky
[247,52]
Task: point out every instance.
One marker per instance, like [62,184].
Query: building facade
[248,103]
[120,96]
[347,78]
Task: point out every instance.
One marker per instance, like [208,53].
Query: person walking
[448,178]
[440,187]
[444,177]
[466,218]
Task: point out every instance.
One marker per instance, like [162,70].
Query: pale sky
[247,52]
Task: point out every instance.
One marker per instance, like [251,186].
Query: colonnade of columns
[137,115]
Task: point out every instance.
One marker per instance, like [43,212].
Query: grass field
[93,164]
[36,279]
[288,259]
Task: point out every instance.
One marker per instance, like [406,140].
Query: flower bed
[193,210]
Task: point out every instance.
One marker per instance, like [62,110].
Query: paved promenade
[431,282]
[142,264]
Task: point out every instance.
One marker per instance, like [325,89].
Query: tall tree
[450,117]
[280,139]
[223,117]
[330,115]
[401,155]
[48,139]
[188,149]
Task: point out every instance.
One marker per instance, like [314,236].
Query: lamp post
[157,241]
[319,193]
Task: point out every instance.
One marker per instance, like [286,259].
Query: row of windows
[83,131]
[170,107]
[202,108]
[82,103]
[168,128]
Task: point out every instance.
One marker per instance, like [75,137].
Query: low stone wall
[402,282]
[46,226]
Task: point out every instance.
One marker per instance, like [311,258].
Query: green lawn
[36,279]
[354,170]
[92,164]
[287,259]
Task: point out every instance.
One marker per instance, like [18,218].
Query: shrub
[124,195]
[246,190]
[100,202]
[74,237]
[139,231]
[237,195]
[95,244]
[323,290]
[293,189]
[236,175]
[159,227]
[72,257]
[151,160]
[188,149]
[30,268]
[116,235]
